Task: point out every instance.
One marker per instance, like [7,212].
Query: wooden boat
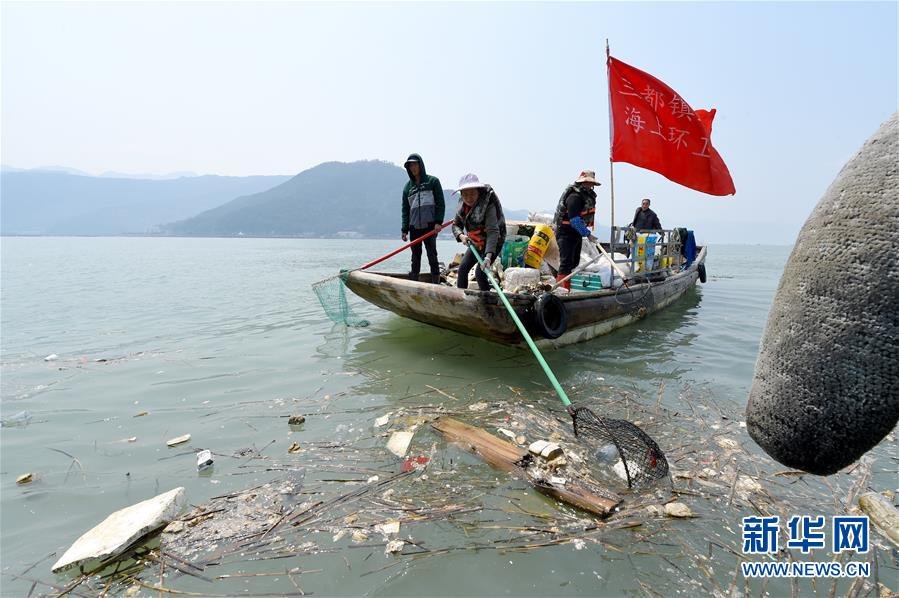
[480,313]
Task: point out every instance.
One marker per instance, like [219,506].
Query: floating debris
[882,513]
[240,542]
[359,536]
[507,433]
[204,459]
[51,357]
[25,478]
[294,448]
[545,449]
[399,443]
[382,420]
[678,509]
[22,418]
[121,529]
[296,420]
[411,463]
[388,528]
[178,440]
[394,547]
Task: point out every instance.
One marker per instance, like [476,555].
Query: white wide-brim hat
[587,176]
[469,181]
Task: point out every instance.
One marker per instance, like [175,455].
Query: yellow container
[641,251]
[537,246]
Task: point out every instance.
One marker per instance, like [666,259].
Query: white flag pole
[611,170]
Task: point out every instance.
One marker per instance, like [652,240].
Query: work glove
[438,227]
[464,240]
[488,261]
[405,236]
[592,239]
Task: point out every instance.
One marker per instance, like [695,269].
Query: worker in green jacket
[423,210]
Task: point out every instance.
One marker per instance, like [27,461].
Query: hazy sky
[515,92]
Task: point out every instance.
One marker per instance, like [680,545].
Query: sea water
[159,337]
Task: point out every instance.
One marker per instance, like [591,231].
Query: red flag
[654,128]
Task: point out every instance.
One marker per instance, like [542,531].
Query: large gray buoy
[826,385]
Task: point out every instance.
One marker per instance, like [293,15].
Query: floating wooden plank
[508,457]
[882,513]
[497,452]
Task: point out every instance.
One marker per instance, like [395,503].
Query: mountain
[360,198]
[42,202]
[356,199]
[112,174]
[65,169]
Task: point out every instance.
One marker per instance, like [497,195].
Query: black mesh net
[621,445]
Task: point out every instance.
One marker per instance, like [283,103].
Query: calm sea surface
[223,338]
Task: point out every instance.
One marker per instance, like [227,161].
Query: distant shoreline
[445,237]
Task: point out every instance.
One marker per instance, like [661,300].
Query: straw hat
[469,181]
[587,176]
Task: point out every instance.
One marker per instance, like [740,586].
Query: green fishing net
[331,293]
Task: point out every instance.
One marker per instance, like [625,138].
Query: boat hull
[482,314]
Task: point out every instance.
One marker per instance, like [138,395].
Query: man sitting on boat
[573,221]
[479,221]
[644,218]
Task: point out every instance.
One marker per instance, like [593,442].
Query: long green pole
[524,333]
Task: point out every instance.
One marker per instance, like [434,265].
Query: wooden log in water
[882,513]
[506,456]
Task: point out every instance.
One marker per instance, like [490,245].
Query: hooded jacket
[423,205]
[484,222]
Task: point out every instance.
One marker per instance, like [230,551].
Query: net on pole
[621,441]
[331,293]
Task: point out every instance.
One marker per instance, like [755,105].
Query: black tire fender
[700,268]
[550,316]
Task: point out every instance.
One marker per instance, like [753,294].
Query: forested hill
[361,198]
[59,203]
[331,199]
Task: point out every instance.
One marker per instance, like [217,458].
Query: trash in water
[399,443]
[51,357]
[204,459]
[178,440]
[414,462]
[608,453]
[22,418]
[545,449]
[678,509]
[382,420]
[507,433]
[388,527]
[296,420]
[394,546]
[25,478]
